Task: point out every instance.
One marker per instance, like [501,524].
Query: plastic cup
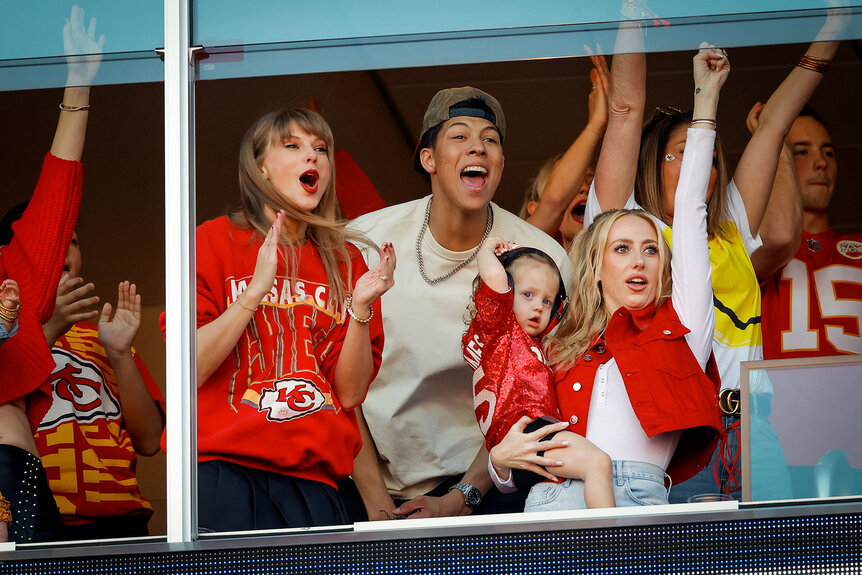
[709,498]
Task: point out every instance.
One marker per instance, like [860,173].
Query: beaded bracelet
[815,64]
[65,108]
[353,313]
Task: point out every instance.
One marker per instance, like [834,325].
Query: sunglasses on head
[666,111]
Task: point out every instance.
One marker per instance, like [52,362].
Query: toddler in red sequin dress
[518,297]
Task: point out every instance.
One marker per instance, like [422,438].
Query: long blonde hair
[648,184]
[587,315]
[325,225]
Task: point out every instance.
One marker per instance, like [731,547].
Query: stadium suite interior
[376,117]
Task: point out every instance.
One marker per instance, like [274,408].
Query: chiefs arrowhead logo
[291,398]
[78,392]
[850,249]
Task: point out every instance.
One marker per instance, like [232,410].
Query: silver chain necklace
[429,281]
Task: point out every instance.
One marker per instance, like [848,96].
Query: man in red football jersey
[813,305]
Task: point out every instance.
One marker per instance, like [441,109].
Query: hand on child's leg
[583,460]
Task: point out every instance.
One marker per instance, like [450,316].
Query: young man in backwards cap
[423,453]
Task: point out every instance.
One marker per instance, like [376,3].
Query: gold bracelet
[817,59]
[353,313]
[5,512]
[9,313]
[819,65]
[243,306]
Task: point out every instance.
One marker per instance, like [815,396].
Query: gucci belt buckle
[728,401]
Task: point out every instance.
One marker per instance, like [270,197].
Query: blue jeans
[705,481]
[635,484]
[770,478]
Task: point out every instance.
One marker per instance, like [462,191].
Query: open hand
[519,450]
[117,334]
[74,303]
[266,265]
[83,51]
[376,281]
[600,78]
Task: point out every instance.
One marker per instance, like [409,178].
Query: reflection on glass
[802,439]
[244,43]
[72,471]
[31,53]
[540,125]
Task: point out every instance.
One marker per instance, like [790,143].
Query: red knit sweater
[34,258]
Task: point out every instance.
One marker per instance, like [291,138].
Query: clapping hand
[74,303]
[117,333]
[266,265]
[376,281]
[598,99]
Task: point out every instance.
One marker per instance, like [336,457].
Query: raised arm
[141,416]
[781,228]
[756,169]
[83,57]
[42,235]
[691,268]
[618,159]
[490,269]
[568,174]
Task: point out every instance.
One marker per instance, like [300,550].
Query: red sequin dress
[510,376]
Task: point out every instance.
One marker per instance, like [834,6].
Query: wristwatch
[472,496]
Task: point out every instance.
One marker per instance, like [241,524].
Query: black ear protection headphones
[561,302]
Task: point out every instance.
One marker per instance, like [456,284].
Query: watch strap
[472,495]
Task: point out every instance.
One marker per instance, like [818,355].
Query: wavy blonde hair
[325,224]
[587,314]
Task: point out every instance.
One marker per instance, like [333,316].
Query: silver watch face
[473,497]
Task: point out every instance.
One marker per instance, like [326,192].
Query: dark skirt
[233,497]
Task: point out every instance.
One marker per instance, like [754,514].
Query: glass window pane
[786,460]
[31,42]
[222,22]
[373,83]
[97,412]
[250,42]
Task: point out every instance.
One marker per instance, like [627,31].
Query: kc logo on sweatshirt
[291,398]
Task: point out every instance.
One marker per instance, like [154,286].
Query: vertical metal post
[179,276]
